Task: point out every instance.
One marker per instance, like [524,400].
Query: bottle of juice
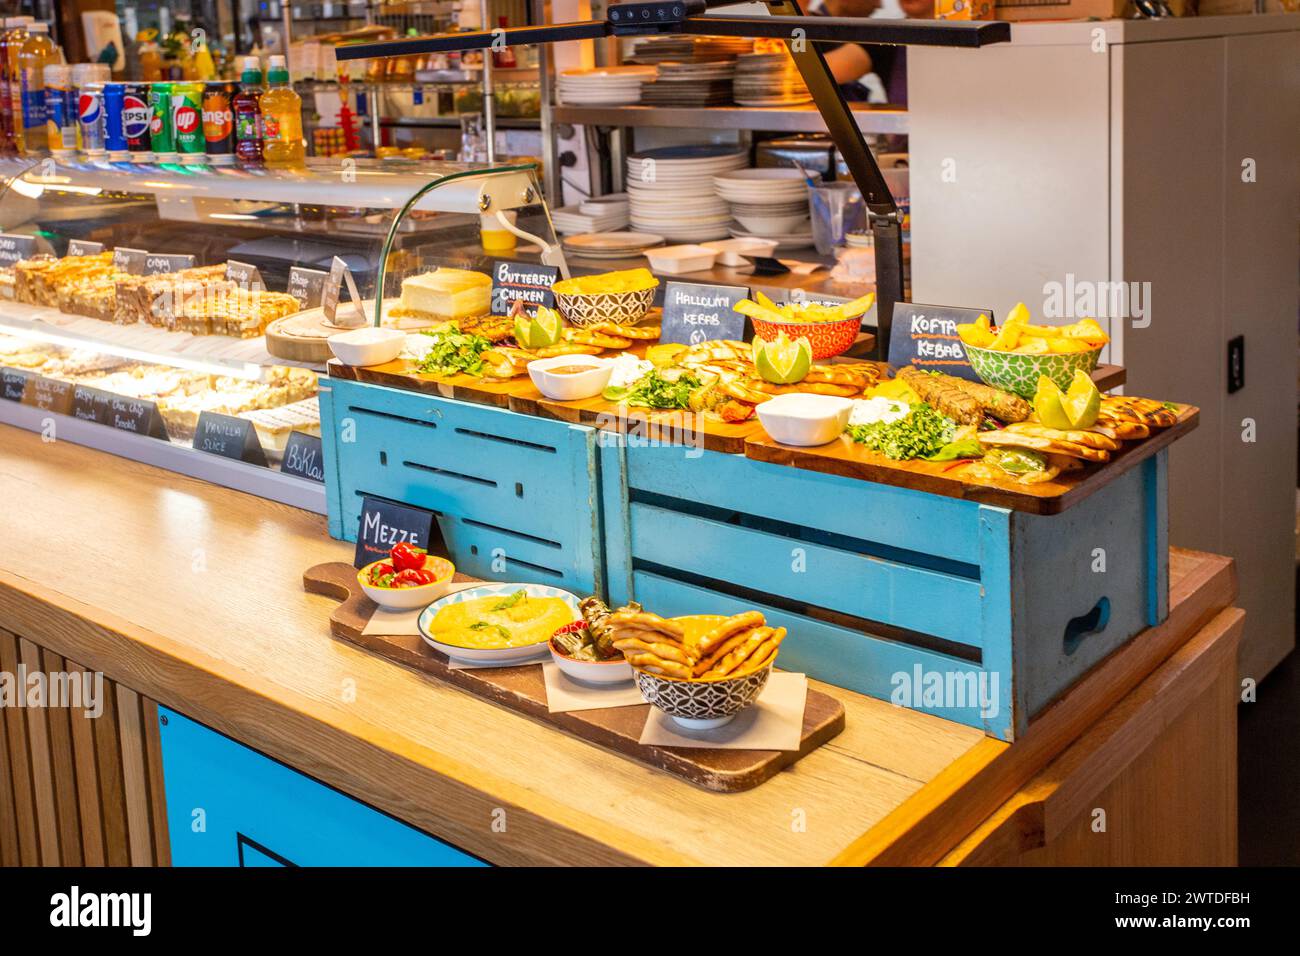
[36,54]
[282,146]
[150,56]
[14,38]
[7,144]
[247,109]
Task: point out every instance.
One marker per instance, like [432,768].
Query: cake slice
[448,294]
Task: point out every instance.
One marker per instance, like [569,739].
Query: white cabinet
[1162,153]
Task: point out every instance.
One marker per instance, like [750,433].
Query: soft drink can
[90,117]
[187,121]
[60,110]
[162,136]
[114,131]
[136,120]
[219,122]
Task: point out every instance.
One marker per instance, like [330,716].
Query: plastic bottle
[247,109]
[282,146]
[36,54]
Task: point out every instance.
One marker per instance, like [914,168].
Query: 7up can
[162,136]
[187,121]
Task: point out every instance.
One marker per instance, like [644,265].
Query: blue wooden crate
[976,613]
[516,496]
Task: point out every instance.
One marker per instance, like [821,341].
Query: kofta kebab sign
[925,336]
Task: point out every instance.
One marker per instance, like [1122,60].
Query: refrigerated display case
[152,310]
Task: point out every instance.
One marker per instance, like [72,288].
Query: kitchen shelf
[453,122]
[789,119]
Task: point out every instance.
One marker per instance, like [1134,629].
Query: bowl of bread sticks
[701,670]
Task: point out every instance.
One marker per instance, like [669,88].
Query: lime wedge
[543,330]
[1049,404]
[1082,401]
[783,360]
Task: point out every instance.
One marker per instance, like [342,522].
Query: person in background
[850,62]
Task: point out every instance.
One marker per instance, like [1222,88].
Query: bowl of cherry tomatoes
[407,579]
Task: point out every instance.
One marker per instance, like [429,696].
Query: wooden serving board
[522,689]
[846,457]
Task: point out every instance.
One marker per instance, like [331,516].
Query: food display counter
[597,564]
[248,653]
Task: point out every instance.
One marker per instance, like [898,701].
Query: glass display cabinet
[152,310]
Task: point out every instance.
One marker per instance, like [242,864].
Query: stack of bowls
[671,191]
[769,203]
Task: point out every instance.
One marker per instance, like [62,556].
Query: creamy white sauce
[869,411]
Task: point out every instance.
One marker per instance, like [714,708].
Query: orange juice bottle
[282,146]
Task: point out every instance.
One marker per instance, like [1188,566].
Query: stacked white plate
[768,79]
[605,86]
[596,216]
[611,245]
[771,202]
[671,191]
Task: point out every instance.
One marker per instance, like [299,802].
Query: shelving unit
[790,119]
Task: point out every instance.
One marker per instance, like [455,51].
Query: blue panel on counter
[228,805]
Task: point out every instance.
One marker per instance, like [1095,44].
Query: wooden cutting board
[522,689]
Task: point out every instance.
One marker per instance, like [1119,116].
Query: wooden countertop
[192,595]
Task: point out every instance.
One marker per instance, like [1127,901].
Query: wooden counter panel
[180,570]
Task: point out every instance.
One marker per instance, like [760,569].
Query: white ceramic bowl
[408,599]
[805,420]
[367,346]
[617,671]
[773,225]
[675,260]
[568,388]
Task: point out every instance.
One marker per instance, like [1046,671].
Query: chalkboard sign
[244,275]
[49,394]
[14,248]
[136,415]
[229,437]
[307,285]
[91,404]
[303,457]
[13,383]
[925,336]
[156,263]
[130,261]
[384,523]
[352,317]
[84,247]
[519,280]
[696,313]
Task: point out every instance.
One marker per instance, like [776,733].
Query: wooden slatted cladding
[79,785]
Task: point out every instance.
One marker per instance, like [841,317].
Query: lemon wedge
[1049,404]
[1083,400]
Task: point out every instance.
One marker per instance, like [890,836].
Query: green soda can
[162,135]
[187,121]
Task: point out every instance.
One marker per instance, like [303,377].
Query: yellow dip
[500,621]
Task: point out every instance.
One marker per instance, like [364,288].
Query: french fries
[803,312]
[1016,334]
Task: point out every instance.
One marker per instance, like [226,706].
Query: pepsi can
[90,117]
[136,116]
[114,131]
